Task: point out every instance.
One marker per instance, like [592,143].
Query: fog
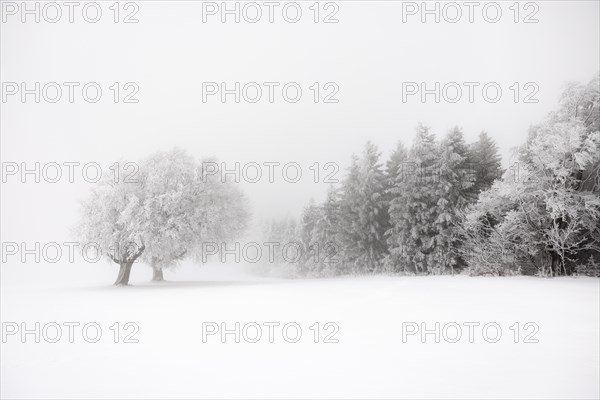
[170,52]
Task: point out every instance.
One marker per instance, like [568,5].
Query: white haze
[369,53]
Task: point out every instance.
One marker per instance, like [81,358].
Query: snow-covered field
[370,359]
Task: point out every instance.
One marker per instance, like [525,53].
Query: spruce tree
[363,211]
[310,215]
[455,189]
[395,162]
[486,163]
[349,205]
[414,209]
[325,241]
[373,212]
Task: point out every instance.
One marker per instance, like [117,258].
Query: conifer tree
[373,211]
[325,241]
[485,163]
[414,209]
[454,194]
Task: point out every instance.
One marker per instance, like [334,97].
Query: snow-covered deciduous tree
[544,212]
[165,213]
[490,242]
[113,220]
[171,220]
[224,203]
[582,102]
[220,206]
[553,198]
[185,206]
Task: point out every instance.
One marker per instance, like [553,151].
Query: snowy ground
[369,361]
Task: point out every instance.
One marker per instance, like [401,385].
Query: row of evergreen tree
[444,206]
[380,213]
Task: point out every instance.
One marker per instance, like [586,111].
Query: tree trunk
[157,275]
[124,271]
[555,266]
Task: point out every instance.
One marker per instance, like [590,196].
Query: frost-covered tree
[373,211]
[113,220]
[325,250]
[172,223]
[582,102]
[165,213]
[349,210]
[306,265]
[363,212]
[485,163]
[284,251]
[544,212]
[551,195]
[394,164]
[185,207]
[455,192]
[394,171]
[220,205]
[414,208]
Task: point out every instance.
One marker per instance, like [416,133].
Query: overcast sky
[369,53]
